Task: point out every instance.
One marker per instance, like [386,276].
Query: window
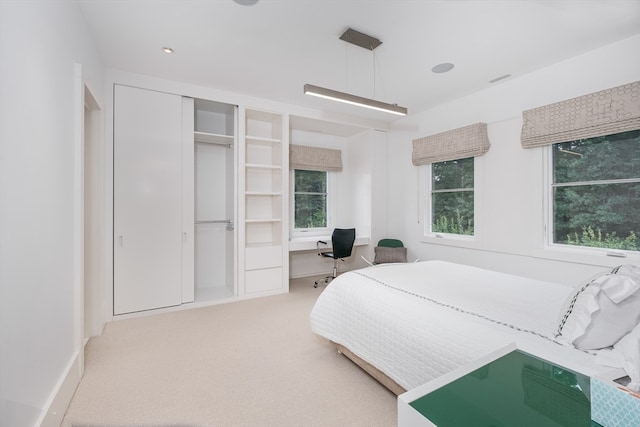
[595,192]
[452,196]
[310,200]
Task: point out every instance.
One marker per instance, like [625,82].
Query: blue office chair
[342,240]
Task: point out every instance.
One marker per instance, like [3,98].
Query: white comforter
[417,321]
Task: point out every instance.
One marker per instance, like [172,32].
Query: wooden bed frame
[380,376]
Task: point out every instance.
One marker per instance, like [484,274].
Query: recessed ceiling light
[246,2]
[167,50]
[443,68]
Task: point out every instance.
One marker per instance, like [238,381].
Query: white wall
[510,229]
[367,190]
[40,42]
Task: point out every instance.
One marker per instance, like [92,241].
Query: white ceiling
[271,49]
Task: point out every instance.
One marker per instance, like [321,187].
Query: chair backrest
[342,241]
[390,243]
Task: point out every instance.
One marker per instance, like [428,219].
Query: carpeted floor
[250,363]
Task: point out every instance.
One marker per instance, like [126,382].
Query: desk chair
[342,240]
[390,243]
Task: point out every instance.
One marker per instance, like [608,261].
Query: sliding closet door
[147,200]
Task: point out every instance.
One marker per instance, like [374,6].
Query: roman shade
[315,158]
[601,113]
[460,143]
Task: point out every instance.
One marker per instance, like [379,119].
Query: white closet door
[147,200]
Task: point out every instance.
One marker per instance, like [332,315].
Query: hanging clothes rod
[222,144]
[214,221]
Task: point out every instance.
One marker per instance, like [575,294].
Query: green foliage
[310,208]
[452,174]
[595,239]
[452,196]
[457,224]
[598,210]
[310,211]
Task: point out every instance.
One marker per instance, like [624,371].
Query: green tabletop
[515,390]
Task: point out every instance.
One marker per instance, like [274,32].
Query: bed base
[380,376]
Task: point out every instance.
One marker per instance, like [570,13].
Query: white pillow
[599,313]
[628,270]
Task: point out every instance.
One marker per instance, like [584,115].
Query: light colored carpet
[249,363]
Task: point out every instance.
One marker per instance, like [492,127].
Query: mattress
[417,321]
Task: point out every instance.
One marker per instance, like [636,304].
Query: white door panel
[147,199]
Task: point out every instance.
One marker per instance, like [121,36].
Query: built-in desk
[309,243]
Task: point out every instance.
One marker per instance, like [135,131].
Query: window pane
[452,174]
[310,181]
[605,216]
[310,211]
[607,157]
[452,212]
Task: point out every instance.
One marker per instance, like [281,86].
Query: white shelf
[261,220]
[260,139]
[213,138]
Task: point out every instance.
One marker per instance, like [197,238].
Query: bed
[406,324]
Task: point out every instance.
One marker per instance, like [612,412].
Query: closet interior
[214,198]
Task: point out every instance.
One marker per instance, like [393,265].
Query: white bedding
[417,321]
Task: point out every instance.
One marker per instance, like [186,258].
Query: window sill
[461,241]
[590,256]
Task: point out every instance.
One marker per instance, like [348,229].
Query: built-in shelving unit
[264,159]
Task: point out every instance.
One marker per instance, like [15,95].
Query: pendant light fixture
[367,42]
[348,98]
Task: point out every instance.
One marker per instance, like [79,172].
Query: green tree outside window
[452,196]
[310,199]
[596,191]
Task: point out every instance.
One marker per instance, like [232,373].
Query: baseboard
[58,402]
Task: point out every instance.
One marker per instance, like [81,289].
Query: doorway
[93,218]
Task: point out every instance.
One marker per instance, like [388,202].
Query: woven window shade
[601,113]
[314,158]
[460,143]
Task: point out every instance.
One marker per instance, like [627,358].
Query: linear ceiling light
[348,98]
[366,42]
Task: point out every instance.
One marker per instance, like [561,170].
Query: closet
[214,145]
[174,200]
[201,197]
